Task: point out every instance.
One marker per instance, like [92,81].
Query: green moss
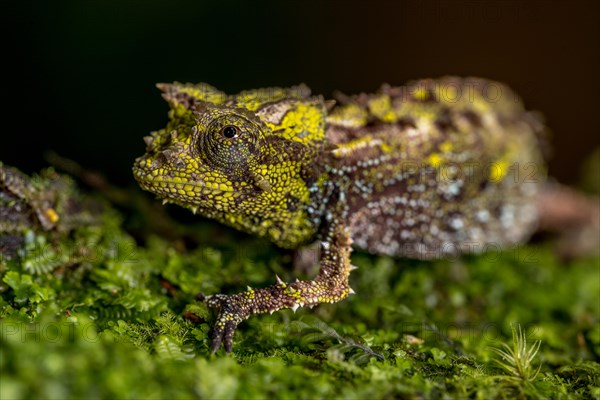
[96,314]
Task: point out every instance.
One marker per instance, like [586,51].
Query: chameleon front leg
[329,286]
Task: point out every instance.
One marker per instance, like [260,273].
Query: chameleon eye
[230,131]
[229,142]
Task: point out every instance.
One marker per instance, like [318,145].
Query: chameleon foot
[329,286]
[231,313]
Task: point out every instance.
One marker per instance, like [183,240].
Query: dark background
[81,74]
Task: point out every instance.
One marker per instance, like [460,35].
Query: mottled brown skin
[426,170]
[455,177]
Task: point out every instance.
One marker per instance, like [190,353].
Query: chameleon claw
[230,315]
[223,335]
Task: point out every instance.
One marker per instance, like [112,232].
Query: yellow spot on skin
[358,143]
[421,94]
[381,107]
[435,160]
[448,94]
[350,115]
[446,147]
[304,123]
[498,171]
[52,215]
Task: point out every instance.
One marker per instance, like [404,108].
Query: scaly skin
[433,168]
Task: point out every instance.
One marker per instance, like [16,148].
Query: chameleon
[47,205]
[433,168]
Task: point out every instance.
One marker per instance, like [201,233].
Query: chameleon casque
[426,170]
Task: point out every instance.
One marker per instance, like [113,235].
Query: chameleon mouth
[158,181]
[155,184]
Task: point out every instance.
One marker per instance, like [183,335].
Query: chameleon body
[426,170]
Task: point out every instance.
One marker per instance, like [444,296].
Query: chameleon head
[246,160]
[204,160]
